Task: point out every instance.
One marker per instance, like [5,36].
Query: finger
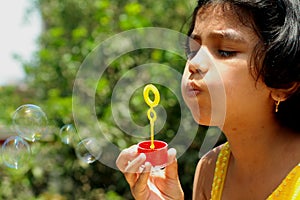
[171,155]
[172,167]
[134,167]
[125,156]
[135,164]
[142,182]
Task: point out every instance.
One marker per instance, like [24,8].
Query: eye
[226,54]
[192,46]
[191,54]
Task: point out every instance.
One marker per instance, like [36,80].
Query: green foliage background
[71,30]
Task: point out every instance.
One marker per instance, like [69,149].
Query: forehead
[222,16]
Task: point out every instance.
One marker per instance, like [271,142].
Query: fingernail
[142,156]
[172,151]
[148,166]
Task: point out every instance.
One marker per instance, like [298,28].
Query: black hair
[276,57]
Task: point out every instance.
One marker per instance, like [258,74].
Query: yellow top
[289,188]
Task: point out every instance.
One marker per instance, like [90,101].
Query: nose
[199,63]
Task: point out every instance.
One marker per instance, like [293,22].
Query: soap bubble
[15,152]
[30,122]
[68,134]
[88,150]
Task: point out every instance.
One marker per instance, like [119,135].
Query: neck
[255,149]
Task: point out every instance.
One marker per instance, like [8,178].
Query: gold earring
[277,105]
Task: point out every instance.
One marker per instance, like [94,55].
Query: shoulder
[204,174]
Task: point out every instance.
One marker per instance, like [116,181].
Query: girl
[251,48]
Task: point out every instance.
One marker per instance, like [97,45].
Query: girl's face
[217,84]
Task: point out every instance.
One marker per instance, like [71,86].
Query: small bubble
[30,122]
[88,150]
[15,152]
[68,134]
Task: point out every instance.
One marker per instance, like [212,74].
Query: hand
[147,185]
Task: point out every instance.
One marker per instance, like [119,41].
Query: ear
[282,94]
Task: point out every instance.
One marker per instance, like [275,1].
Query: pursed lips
[192,89]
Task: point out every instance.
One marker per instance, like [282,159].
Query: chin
[201,119]
[204,122]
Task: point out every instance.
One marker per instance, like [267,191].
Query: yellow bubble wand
[151,112]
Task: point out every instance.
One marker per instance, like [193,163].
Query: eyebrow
[195,37]
[228,35]
[223,34]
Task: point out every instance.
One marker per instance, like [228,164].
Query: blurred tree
[71,30]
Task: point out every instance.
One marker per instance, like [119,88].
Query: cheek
[226,81]
[216,85]
[243,96]
[217,94]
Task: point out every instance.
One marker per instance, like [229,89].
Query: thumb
[172,166]
[140,188]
